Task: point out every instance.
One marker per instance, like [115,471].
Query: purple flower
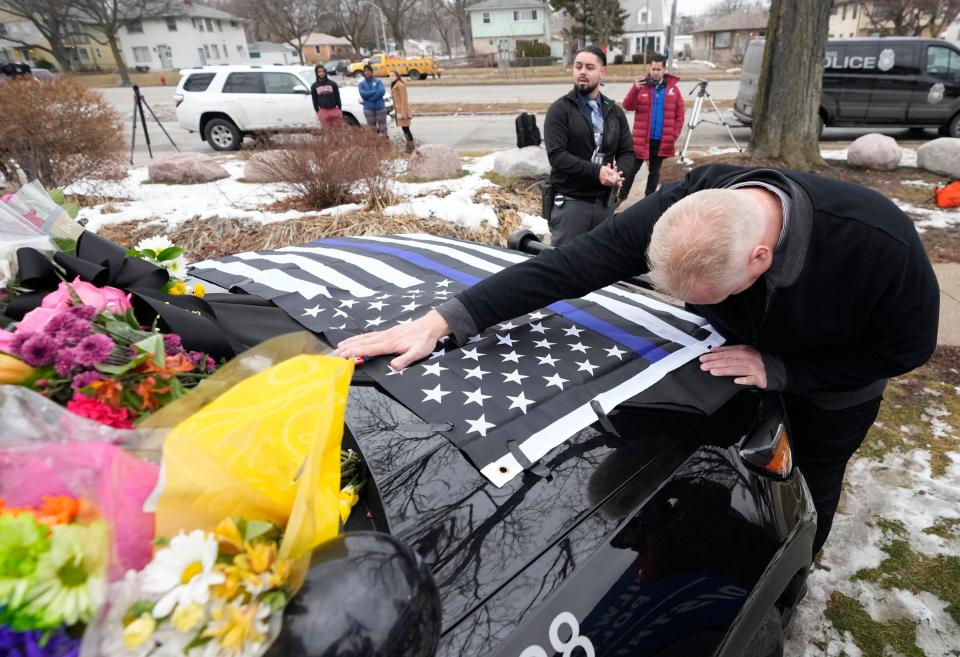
[82,312]
[67,330]
[171,341]
[202,361]
[38,350]
[84,379]
[93,350]
[66,362]
[35,643]
[16,343]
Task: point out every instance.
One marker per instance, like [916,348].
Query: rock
[186,169]
[433,162]
[527,162]
[262,167]
[940,156]
[875,151]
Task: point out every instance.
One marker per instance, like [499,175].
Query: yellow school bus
[416,67]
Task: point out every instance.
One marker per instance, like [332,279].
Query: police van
[912,82]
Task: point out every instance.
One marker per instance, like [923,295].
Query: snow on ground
[930,217]
[134,199]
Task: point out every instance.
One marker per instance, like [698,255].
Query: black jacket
[325,94]
[568,135]
[849,302]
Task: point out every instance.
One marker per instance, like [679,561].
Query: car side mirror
[366,595]
[300,90]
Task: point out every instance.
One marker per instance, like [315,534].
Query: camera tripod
[139,102]
[695,120]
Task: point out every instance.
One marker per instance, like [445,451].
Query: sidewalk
[948,274]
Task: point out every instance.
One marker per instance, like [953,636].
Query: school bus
[416,67]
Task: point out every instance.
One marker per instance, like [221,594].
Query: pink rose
[101,298]
[36,319]
[6,337]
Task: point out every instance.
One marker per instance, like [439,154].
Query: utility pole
[646,26]
[672,28]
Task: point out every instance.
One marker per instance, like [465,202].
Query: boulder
[186,169]
[433,162]
[940,156]
[527,162]
[262,167]
[874,151]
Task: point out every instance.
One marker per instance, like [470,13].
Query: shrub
[56,131]
[532,49]
[618,59]
[337,166]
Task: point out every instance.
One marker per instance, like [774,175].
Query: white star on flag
[377,305]
[586,366]
[512,357]
[475,373]
[615,351]
[474,338]
[409,307]
[538,327]
[513,376]
[375,322]
[471,354]
[412,295]
[520,401]
[405,321]
[505,339]
[444,283]
[582,348]
[391,371]
[537,315]
[434,394]
[480,425]
[506,327]
[555,380]
[573,330]
[434,368]
[313,312]
[543,343]
[347,303]
[436,354]
[475,397]
[547,360]
[383,296]
[340,313]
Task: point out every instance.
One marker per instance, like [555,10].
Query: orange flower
[108,392]
[172,366]
[147,389]
[57,510]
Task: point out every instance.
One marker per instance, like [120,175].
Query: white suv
[226,103]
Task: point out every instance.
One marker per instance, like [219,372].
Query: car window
[198,82]
[281,83]
[244,83]
[943,63]
[375,60]
[899,59]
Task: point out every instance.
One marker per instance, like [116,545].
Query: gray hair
[705,237]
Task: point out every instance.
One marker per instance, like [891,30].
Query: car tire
[415,74]
[768,639]
[820,126]
[350,121]
[222,135]
[952,127]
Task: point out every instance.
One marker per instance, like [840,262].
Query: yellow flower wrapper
[269,448]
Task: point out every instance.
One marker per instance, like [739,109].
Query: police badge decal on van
[885,60]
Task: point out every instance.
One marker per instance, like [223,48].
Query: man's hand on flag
[740,361]
[412,341]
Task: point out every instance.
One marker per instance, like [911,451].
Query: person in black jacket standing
[326,99]
[589,145]
[821,288]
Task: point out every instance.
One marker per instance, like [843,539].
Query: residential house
[497,25]
[264,52]
[320,48]
[644,29]
[85,53]
[182,35]
[724,40]
[856,19]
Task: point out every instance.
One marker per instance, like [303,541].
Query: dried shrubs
[56,131]
[337,166]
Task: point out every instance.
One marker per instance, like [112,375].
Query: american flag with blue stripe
[513,392]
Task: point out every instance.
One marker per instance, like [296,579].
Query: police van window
[897,60]
[943,63]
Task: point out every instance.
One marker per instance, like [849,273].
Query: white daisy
[155,244]
[182,572]
[177,267]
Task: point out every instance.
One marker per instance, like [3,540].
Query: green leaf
[116,370]
[152,345]
[66,245]
[276,600]
[256,528]
[72,209]
[57,196]
[197,641]
[136,610]
[169,253]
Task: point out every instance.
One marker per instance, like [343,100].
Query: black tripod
[138,104]
[695,120]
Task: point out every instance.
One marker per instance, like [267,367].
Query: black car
[876,81]
[675,524]
[337,66]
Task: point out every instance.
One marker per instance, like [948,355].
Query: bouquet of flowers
[204,593]
[162,252]
[84,348]
[53,568]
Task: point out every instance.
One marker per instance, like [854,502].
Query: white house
[182,35]
[497,25]
[264,52]
[644,29]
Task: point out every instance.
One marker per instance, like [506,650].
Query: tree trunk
[396,26]
[466,32]
[59,52]
[118,58]
[786,123]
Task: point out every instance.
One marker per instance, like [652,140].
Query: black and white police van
[912,82]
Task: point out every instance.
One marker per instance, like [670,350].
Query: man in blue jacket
[374,109]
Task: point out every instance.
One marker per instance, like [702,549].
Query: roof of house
[487,5]
[736,21]
[266,46]
[323,39]
[633,8]
[191,9]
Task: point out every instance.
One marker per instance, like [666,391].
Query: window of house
[280,83]
[141,54]
[84,54]
[3,32]
[254,55]
[721,39]
[209,24]
[98,53]
[219,25]
[240,50]
[234,24]
[643,16]
[486,18]
[206,51]
[843,12]
[135,27]
[316,49]
[171,24]
[244,83]
[216,51]
[525,15]
[853,10]
[198,24]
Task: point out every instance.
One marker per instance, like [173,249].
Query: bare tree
[458,11]
[291,21]
[397,13]
[352,19]
[786,127]
[55,21]
[910,17]
[441,20]
[606,21]
[105,19]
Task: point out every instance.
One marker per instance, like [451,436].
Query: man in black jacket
[589,145]
[822,289]
[326,98]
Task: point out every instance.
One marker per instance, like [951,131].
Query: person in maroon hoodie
[657,122]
